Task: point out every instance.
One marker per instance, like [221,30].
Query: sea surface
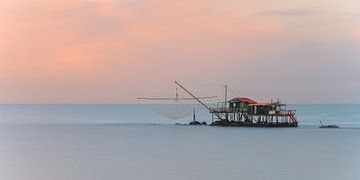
[112,142]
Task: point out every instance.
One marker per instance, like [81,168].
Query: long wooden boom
[197,99]
[174,99]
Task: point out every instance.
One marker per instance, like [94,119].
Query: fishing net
[173,111]
[181,103]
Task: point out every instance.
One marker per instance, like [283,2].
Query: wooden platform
[226,123]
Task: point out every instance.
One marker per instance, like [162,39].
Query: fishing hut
[245,112]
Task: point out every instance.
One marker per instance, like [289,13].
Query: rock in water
[329,126]
[194,123]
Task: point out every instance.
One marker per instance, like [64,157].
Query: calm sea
[91,142]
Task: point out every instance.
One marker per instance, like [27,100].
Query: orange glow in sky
[111,51]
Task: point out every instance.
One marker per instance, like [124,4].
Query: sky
[112,51]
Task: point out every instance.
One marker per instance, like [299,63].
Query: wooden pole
[226,94]
[176,94]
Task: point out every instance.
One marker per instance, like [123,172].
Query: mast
[225,102]
[226,94]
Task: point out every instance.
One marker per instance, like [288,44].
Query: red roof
[267,103]
[246,100]
[261,104]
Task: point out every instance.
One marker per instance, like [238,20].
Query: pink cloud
[356,34]
[110,51]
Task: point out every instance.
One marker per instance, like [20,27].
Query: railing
[225,109]
[285,112]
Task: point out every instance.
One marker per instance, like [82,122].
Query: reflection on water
[86,152]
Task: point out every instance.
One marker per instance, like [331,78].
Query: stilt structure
[248,113]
